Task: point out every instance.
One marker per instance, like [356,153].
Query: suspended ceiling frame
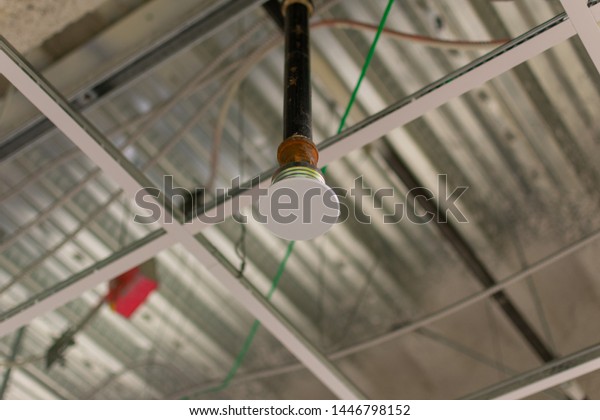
[201,25]
[102,153]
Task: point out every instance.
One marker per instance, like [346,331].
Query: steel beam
[98,149]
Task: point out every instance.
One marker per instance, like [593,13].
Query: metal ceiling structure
[370,310]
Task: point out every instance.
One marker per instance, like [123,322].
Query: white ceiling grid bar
[552,381]
[98,149]
[66,295]
[582,19]
[561,372]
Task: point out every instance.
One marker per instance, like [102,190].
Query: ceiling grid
[76,203]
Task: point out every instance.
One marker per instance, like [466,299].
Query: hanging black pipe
[297,154]
[297,113]
[297,146]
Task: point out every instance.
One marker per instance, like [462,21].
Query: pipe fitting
[308,3]
[297,148]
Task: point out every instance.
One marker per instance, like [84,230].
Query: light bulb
[299,205]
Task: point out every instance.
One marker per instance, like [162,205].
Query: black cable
[495,332]
[537,303]
[320,315]
[240,249]
[240,245]
[359,300]
[123,229]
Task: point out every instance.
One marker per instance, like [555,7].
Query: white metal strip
[461,85]
[75,290]
[595,9]
[97,148]
[286,333]
[475,298]
[552,381]
[584,22]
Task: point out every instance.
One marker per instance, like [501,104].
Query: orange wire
[423,39]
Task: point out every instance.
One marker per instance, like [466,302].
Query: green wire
[281,269]
[363,73]
[253,330]
[365,66]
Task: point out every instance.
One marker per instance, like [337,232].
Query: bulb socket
[297,170]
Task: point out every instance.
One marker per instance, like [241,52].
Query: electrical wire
[359,300]
[365,67]
[8,95]
[537,302]
[203,78]
[234,83]
[127,369]
[45,213]
[21,362]
[424,40]
[253,329]
[495,333]
[240,246]
[165,149]
[40,260]
[209,74]
[320,315]
[190,86]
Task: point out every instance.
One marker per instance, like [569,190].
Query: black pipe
[297,113]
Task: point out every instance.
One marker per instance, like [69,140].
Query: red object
[128,291]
